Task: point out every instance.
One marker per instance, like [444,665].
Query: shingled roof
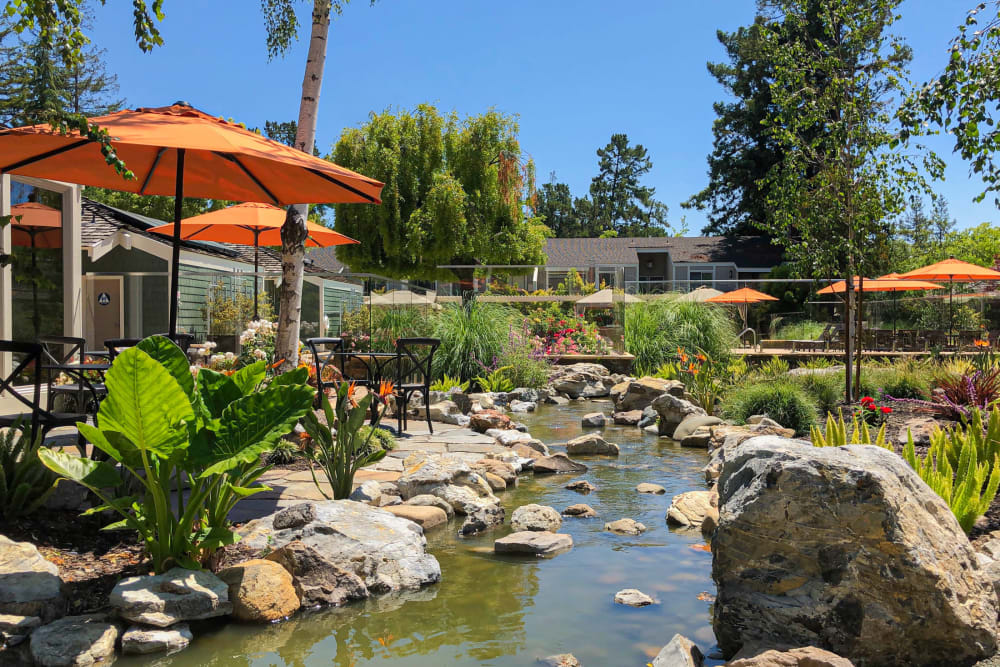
[744,251]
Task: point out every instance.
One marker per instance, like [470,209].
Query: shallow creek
[490,610]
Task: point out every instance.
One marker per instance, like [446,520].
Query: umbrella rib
[44,156]
[250,175]
[149,174]
[342,184]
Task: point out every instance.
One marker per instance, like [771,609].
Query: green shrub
[903,383]
[783,401]
[380,437]
[774,367]
[804,330]
[284,452]
[494,381]
[472,336]
[654,330]
[25,483]
[160,426]
[826,389]
[447,382]
[525,370]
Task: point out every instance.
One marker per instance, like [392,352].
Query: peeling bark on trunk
[293,231]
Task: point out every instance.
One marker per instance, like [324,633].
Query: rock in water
[629,418]
[561,660]
[625,527]
[848,550]
[317,580]
[482,519]
[581,486]
[691,508]
[533,542]
[594,420]
[174,596]
[74,641]
[809,656]
[647,487]
[633,597]
[261,591]
[29,584]
[387,552]
[672,411]
[580,510]
[591,445]
[138,640]
[680,652]
[558,463]
[535,517]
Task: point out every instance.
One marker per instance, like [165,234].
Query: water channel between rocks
[491,610]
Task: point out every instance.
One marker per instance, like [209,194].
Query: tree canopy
[458,191]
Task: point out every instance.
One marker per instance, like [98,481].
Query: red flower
[867,399]
[886,410]
[871,406]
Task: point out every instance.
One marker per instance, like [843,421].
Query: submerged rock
[633,597]
[848,550]
[139,640]
[625,527]
[646,487]
[561,660]
[535,517]
[581,486]
[75,641]
[533,542]
[580,510]
[172,597]
[387,552]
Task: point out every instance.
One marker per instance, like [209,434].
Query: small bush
[805,330]
[900,383]
[783,401]
[773,368]
[473,337]
[826,389]
[382,438]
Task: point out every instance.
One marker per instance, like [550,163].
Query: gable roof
[744,251]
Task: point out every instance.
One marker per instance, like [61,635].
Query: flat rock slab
[558,463]
[29,584]
[533,543]
[633,597]
[581,486]
[74,641]
[580,511]
[646,487]
[139,640]
[174,596]
[425,516]
[625,527]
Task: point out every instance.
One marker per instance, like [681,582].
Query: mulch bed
[90,561]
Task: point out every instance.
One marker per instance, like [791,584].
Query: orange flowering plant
[985,358]
[340,453]
[701,377]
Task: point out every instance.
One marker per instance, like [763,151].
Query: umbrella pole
[175,258]
[256,263]
[35,322]
[951,310]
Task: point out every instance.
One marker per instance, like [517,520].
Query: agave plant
[25,483]
[165,430]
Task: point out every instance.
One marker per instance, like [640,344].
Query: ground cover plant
[165,428]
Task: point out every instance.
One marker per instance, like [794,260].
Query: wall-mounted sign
[103,299]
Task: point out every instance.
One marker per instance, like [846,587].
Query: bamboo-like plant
[341,446]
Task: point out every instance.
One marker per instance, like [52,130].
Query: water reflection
[510,611]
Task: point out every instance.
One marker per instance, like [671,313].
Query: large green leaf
[217,391]
[170,356]
[250,426]
[298,375]
[92,474]
[248,377]
[145,404]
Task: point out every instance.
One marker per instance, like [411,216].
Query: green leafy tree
[619,200]
[560,212]
[743,149]
[962,100]
[457,193]
[834,191]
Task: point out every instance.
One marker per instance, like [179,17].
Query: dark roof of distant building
[325,260]
[744,251]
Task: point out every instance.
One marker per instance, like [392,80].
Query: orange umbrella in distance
[741,298]
[35,226]
[890,282]
[951,269]
[249,224]
[180,151]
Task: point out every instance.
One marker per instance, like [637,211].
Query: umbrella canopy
[402,297]
[882,284]
[249,224]
[180,151]
[36,225]
[700,295]
[605,298]
[951,269]
[744,295]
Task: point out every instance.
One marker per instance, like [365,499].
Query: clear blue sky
[575,72]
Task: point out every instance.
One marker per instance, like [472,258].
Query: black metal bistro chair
[413,375]
[41,420]
[60,350]
[331,356]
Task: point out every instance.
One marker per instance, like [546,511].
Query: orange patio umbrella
[35,226]
[249,224]
[891,282]
[951,269]
[741,297]
[181,151]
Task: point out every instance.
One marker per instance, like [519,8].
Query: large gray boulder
[639,394]
[387,552]
[672,410]
[317,580]
[845,549]
[172,597]
[75,641]
[29,584]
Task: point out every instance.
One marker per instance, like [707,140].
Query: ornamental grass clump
[783,401]
[164,429]
[471,334]
[654,329]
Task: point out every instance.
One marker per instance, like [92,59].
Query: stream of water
[491,610]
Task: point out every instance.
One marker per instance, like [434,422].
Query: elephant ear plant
[166,430]
[341,446]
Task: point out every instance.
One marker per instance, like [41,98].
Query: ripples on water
[491,610]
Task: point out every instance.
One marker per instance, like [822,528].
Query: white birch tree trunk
[293,231]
